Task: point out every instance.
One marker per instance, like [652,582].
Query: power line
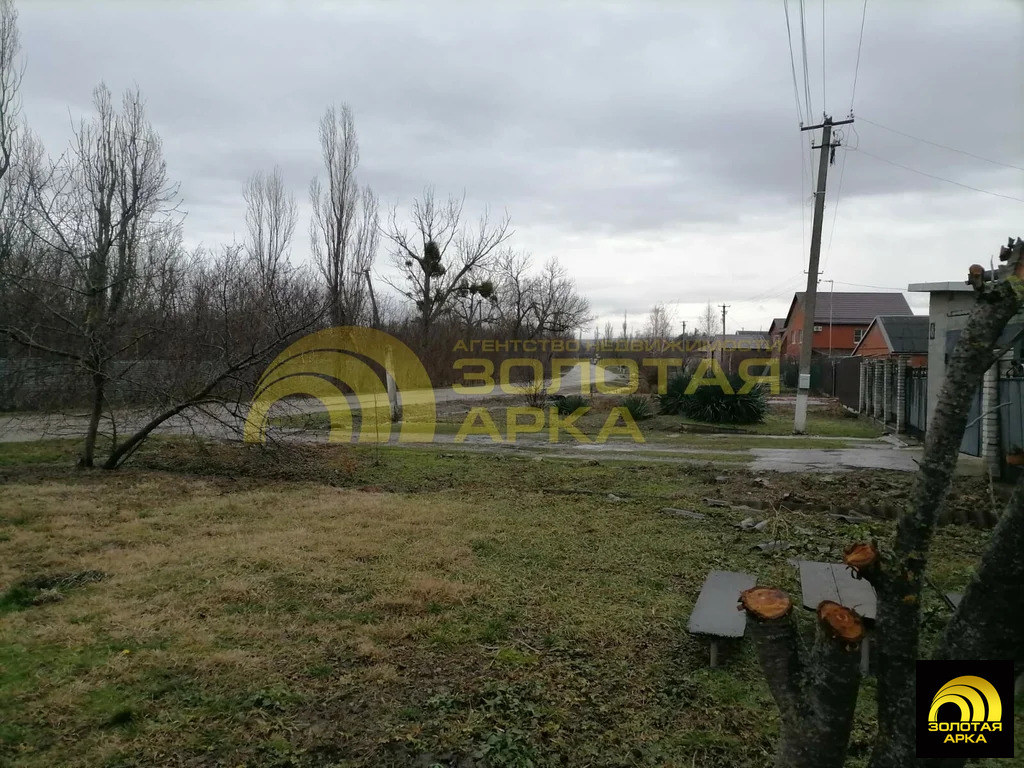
[943,146]
[861,285]
[860,42]
[792,63]
[835,211]
[941,178]
[824,108]
[807,79]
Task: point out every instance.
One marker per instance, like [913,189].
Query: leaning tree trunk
[898,579]
[99,382]
[897,573]
[815,690]
[989,623]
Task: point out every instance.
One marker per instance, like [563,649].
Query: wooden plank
[817,583]
[855,593]
[715,612]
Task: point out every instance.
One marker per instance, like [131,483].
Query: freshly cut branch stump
[861,557]
[766,603]
[840,622]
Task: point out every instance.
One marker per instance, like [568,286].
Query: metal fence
[33,384]
[917,400]
[1011,414]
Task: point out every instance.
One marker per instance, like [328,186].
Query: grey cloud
[615,124]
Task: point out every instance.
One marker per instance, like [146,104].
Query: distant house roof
[751,334]
[844,308]
[903,335]
[777,324]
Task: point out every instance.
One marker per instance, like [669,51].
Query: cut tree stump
[715,613]
[835,583]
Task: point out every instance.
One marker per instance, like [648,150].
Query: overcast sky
[653,147]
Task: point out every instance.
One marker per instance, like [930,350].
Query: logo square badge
[965,709]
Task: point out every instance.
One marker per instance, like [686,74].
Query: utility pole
[827,153]
[721,351]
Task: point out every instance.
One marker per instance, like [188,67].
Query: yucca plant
[639,406]
[713,405]
[672,400]
[571,403]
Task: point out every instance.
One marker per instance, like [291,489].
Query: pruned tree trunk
[815,690]
[898,580]
[988,622]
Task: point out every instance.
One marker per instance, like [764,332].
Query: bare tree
[816,691]
[442,255]
[270,223]
[556,307]
[475,305]
[609,332]
[708,324]
[19,153]
[107,204]
[344,228]
[513,287]
[659,322]
[10,82]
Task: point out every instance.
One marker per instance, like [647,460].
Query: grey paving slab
[715,612]
[835,582]
[855,593]
[817,583]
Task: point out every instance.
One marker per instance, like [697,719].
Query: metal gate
[971,443]
[917,400]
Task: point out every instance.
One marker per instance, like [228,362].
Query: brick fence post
[862,399]
[877,395]
[886,391]
[901,394]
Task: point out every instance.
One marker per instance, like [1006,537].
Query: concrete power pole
[811,295]
[721,351]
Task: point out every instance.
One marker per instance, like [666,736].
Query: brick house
[840,320]
[896,336]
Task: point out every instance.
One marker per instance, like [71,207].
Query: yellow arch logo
[976,697]
[334,366]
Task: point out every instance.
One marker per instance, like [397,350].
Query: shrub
[639,406]
[671,402]
[570,403]
[535,395]
[712,405]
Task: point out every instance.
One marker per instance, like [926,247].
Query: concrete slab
[715,612]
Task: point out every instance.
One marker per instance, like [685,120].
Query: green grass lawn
[355,606]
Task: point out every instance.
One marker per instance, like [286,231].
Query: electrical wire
[774,289]
[936,144]
[941,178]
[861,285]
[824,108]
[860,42]
[807,78]
[792,63]
[835,211]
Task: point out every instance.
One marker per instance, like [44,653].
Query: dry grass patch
[244,622]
